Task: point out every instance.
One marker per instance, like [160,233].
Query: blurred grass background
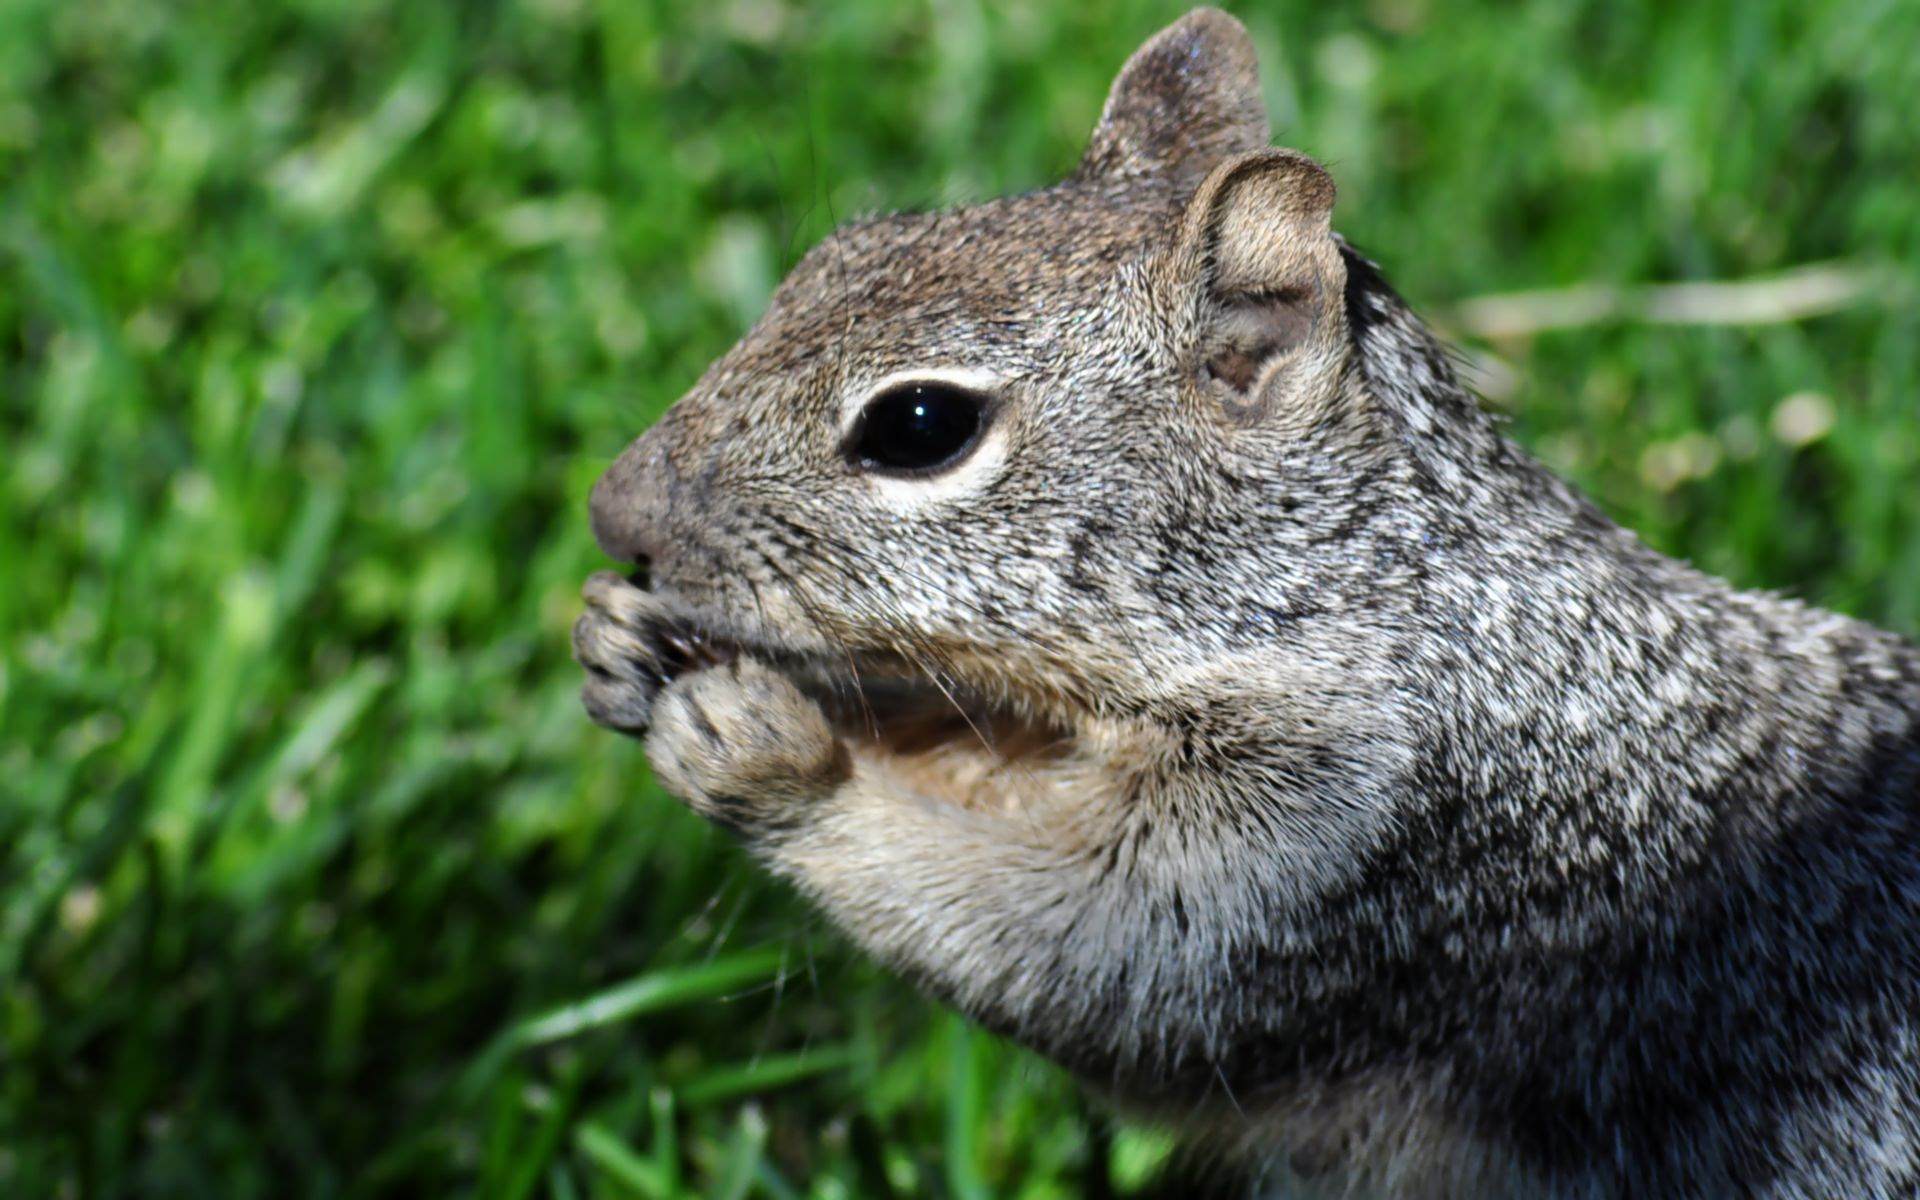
[317,320]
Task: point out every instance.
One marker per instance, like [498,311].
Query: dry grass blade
[1793,295]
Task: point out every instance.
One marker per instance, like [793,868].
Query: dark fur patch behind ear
[1187,99]
[1363,280]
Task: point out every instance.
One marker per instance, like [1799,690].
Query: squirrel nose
[627,506]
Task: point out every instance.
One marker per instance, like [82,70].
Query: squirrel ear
[1186,99]
[1258,236]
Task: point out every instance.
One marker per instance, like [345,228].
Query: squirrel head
[1064,445]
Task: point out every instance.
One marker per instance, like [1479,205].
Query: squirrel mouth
[891,707]
[939,739]
[683,647]
[965,737]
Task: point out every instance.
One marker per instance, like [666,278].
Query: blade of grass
[964,1093]
[530,1160]
[765,1074]
[656,990]
[604,1148]
[742,1157]
[666,1136]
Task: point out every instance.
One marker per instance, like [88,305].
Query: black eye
[918,428]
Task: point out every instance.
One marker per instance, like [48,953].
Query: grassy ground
[317,320]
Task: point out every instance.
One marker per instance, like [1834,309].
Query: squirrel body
[1242,721]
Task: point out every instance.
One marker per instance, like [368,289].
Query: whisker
[905,641]
[813,615]
[986,742]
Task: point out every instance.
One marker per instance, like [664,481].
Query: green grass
[317,321]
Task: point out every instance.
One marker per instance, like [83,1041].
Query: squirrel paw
[743,746]
[619,640]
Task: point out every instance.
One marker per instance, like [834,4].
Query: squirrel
[1108,604]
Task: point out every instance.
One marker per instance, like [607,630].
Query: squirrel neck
[1561,666]
[1654,842]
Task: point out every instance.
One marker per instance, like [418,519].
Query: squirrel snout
[628,505]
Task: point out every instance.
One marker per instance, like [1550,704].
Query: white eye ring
[968,475]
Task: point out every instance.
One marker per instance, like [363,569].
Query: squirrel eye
[917,428]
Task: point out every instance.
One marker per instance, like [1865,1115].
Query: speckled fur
[1405,824]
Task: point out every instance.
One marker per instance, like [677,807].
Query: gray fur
[1334,782]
